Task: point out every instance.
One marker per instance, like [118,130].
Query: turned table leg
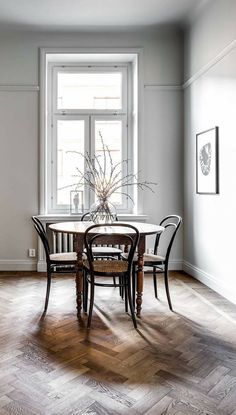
[140,274]
[79,273]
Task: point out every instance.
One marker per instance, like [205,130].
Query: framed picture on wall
[207,168]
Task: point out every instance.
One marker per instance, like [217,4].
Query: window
[84,102]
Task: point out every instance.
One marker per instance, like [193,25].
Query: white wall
[159,154]
[210,100]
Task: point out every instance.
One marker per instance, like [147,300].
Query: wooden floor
[175,363]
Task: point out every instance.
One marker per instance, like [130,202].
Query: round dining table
[77,229]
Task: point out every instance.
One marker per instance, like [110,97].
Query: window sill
[66,217]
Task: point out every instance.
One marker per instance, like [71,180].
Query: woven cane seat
[108,266]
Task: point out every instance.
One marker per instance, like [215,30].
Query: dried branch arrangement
[104,177]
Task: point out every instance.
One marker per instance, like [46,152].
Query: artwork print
[207,161]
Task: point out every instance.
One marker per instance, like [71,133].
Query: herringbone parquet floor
[175,363]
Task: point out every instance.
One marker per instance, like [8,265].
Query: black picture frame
[207,161]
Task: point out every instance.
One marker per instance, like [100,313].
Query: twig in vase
[105,178]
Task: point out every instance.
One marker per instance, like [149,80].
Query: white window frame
[123,69]
[90,116]
[126,168]
[134,56]
[52,149]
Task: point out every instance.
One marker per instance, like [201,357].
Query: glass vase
[103,211]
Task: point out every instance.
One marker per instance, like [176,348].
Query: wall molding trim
[18,265]
[19,88]
[209,280]
[224,52]
[157,87]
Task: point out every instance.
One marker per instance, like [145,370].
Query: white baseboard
[210,281]
[17,265]
[41,266]
[176,265]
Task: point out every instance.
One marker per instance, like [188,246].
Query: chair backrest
[86,217]
[43,236]
[111,234]
[172,223]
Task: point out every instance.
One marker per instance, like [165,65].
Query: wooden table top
[80,227]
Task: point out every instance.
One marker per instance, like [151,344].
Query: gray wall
[159,147]
[210,100]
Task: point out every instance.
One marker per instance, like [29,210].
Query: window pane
[111,132]
[92,90]
[70,138]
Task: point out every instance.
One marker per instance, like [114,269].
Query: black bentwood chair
[116,233]
[56,263]
[158,263]
[105,250]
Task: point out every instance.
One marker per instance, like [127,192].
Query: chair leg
[122,288]
[126,296]
[114,278]
[155,281]
[167,287]
[49,278]
[131,303]
[91,302]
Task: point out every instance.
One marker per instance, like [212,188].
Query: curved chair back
[86,217]
[111,234]
[43,236]
[172,223]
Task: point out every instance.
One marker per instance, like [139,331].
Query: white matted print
[207,162]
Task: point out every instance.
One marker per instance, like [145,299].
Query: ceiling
[90,14]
